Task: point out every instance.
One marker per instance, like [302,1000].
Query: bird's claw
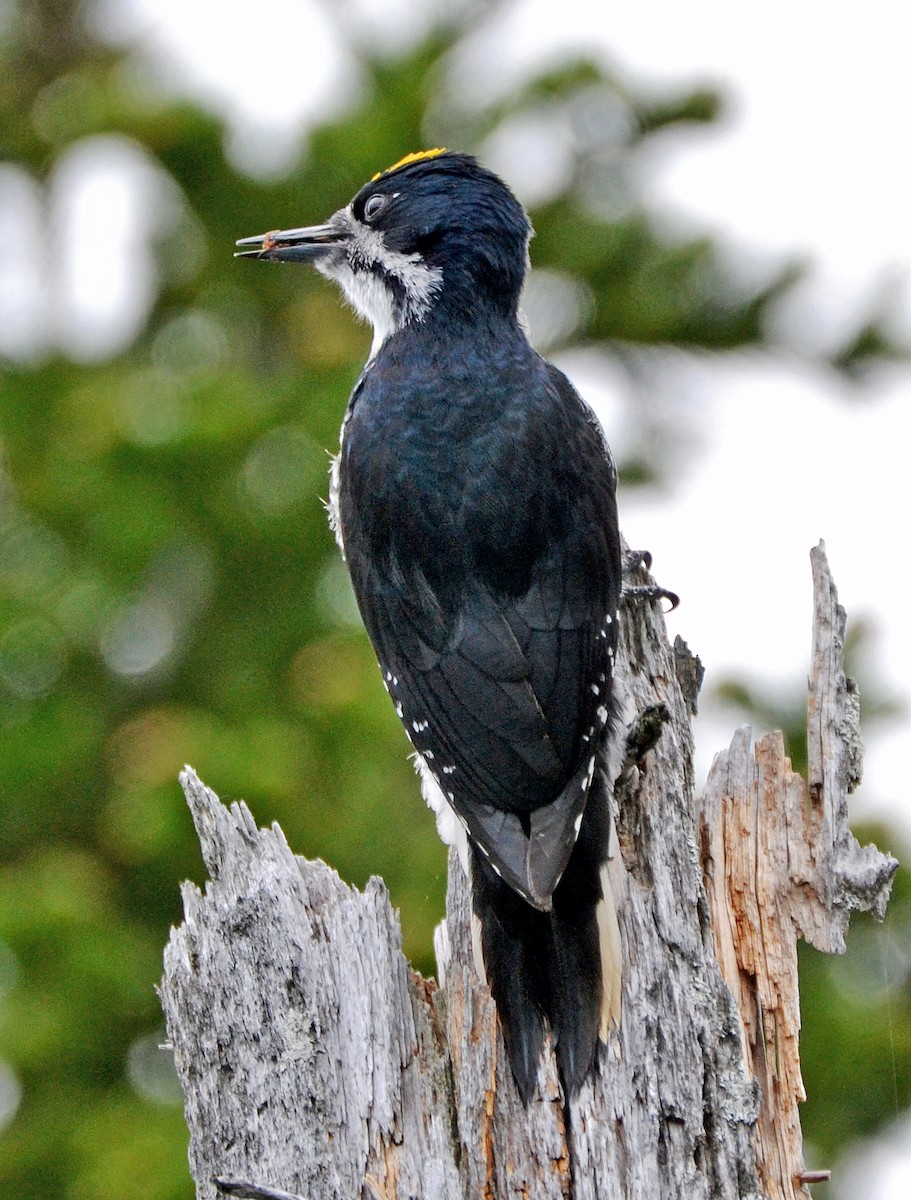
[650,591]
[637,560]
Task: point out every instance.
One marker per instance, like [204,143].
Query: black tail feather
[576,974]
[544,969]
[512,933]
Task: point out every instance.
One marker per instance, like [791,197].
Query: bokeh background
[721,240]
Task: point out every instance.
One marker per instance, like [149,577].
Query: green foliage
[169,591]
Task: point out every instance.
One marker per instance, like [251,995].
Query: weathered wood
[315,1062]
[781,863]
[307,1049]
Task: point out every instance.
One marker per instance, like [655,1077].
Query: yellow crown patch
[416,156]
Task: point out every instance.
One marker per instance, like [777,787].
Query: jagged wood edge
[307,1049]
[781,862]
[313,1059]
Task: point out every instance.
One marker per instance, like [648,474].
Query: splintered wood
[316,1064]
[780,863]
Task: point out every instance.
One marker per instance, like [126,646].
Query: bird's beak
[309,244]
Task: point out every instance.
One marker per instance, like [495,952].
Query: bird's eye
[374,206]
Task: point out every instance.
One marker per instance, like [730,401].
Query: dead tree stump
[315,1062]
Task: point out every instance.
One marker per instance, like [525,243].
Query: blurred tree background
[170,592]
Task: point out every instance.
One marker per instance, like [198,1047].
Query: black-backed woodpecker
[473,498]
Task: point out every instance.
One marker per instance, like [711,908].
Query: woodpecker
[473,499]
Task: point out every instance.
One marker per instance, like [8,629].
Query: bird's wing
[505,701]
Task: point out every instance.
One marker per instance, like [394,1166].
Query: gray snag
[316,1064]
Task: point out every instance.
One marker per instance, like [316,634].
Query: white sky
[812,159]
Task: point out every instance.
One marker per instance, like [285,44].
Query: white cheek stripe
[369,295]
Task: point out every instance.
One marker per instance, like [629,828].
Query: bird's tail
[557,969]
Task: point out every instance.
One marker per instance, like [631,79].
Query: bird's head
[436,233]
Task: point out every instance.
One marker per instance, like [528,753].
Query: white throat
[364,275]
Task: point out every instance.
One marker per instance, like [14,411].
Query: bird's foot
[636,560]
[650,591]
[639,563]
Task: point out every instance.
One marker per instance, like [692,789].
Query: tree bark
[316,1063]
